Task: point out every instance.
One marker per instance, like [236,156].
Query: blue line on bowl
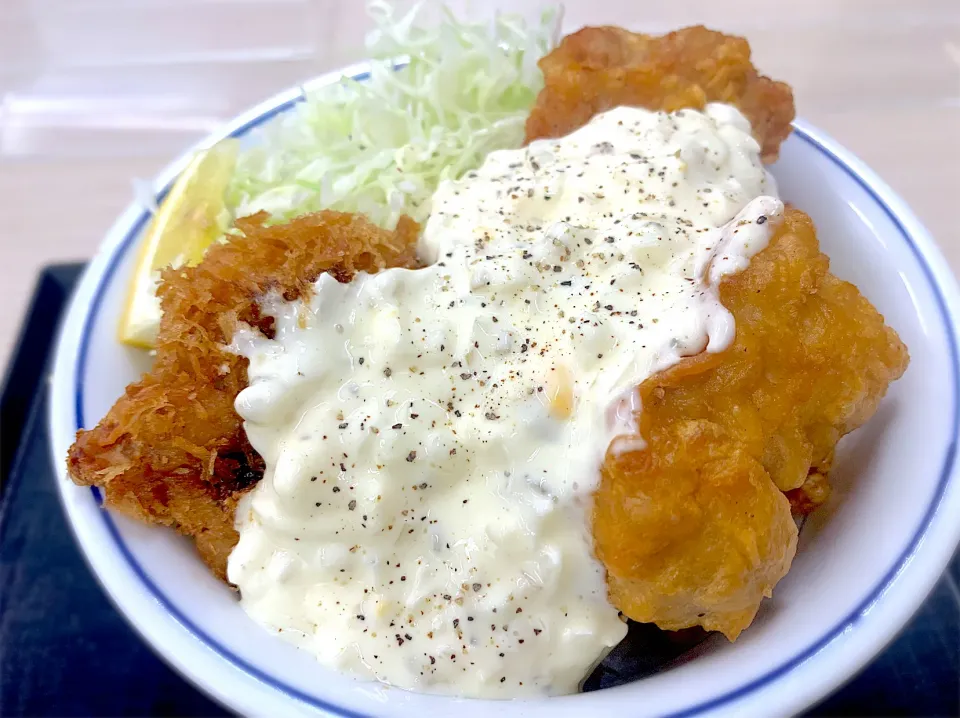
[849,621]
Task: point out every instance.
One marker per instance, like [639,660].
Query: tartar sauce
[433,437]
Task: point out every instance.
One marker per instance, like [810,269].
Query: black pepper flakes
[411,456]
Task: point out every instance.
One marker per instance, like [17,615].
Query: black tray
[64,649]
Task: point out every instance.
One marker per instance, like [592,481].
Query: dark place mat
[65,650]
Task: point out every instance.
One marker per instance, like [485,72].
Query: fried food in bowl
[695,528]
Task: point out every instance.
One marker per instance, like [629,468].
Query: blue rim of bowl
[773,675]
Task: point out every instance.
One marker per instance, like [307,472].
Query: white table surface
[94,93]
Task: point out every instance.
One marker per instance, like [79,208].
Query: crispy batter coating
[694,529]
[599,68]
[172,450]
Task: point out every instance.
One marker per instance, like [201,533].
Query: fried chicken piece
[172,450]
[695,528]
[599,68]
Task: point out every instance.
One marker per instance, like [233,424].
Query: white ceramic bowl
[866,560]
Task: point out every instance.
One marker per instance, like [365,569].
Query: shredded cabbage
[381,146]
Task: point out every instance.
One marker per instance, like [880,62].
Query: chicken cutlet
[599,68]
[172,450]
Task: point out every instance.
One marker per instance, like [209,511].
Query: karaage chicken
[599,68]
[694,529]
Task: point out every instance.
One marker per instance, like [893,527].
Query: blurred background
[95,93]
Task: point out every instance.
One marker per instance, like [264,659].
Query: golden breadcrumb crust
[172,450]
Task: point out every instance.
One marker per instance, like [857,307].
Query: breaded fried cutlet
[599,68]
[172,450]
[695,529]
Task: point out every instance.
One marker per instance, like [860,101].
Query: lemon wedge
[187,223]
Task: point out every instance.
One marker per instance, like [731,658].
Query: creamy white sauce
[433,437]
